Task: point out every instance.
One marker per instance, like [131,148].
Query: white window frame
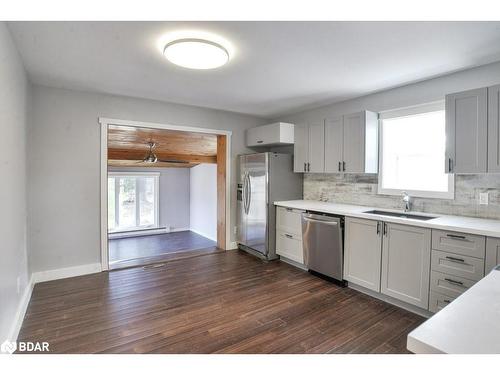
[156,176]
[409,111]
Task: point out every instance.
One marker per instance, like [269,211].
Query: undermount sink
[402,215]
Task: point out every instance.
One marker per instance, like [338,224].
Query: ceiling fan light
[195,53]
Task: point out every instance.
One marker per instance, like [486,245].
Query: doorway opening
[163,193]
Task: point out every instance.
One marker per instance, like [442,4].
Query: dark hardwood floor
[133,251]
[227,302]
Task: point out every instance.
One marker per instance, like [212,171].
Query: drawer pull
[451,281]
[453,259]
[289,209]
[446,301]
[288,235]
[458,237]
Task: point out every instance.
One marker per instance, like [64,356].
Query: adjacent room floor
[228,302]
[132,251]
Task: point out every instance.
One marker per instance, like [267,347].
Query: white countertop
[468,325]
[483,227]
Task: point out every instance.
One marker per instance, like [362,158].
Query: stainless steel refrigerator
[263,179]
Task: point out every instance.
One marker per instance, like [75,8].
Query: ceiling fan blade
[173,161]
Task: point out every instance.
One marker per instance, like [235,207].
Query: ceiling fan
[152,158]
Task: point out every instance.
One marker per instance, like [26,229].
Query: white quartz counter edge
[483,227]
[468,325]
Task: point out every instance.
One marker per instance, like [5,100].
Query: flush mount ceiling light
[196,53]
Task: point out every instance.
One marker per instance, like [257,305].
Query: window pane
[146,200]
[126,199]
[111,203]
[413,152]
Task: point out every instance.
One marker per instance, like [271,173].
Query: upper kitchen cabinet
[494,129]
[309,147]
[351,143]
[467,131]
[279,133]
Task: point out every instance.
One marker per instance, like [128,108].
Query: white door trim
[104,123]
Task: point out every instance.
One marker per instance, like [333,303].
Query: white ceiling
[277,68]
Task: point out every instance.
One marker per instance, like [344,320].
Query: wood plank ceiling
[128,146]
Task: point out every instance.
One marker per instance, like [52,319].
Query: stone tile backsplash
[361,189]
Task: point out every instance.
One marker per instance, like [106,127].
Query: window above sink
[412,152]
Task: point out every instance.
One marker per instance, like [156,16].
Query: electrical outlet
[483,198]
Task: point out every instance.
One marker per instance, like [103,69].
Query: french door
[132,201]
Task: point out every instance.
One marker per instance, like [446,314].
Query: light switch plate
[483,198]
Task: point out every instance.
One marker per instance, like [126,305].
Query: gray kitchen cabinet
[363,246]
[406,257]
[309,147]
[334,141]
[492,254]
[466,131]
[351,143]
[494,129]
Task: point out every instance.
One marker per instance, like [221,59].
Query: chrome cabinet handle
[378,228]
[450,165]
[454,281]
[288,235]
[385,229]
[305,167]
[453,259]
[309,167]
[343,166]
[446,301]
[340,166]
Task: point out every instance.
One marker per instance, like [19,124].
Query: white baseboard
[21,311]
[203,234]
[140,233]
[62,273]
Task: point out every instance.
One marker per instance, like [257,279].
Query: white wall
[404,96]
[203,197]
[14,102]
[64,164]
[173,195]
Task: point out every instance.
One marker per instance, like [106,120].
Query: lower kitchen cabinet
[406,257]
[289,234]
[492,253]
[363,246]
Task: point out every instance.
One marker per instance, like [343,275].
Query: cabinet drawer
[437,301]
[288,220]
[457,265]
[459,243]
[289,246]
[449,285]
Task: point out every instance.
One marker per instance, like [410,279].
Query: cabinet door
[406,257]
[316,147]
[354,142]
[363,246]
[492,254]
[300,148]
[334,136]
[494,129]
[466,131]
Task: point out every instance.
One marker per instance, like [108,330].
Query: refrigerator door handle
[244,193]
[247,194]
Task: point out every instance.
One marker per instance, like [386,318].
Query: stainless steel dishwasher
[323,244]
